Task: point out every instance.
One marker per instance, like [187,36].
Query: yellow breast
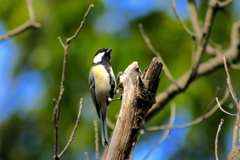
[102,86]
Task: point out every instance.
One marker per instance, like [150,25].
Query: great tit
[103,87]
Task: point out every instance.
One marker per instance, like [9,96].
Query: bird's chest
[102,85]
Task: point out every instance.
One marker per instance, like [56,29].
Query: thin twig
[31,23]
[219,105]
[196,121]
[236,127]
[74,129]
[61,42]
[216,139]
[235,99]
[96,139]
[166,132]
[148,42]
[194,18]
[233,66]
[215,63]
[30,10]
[197,27]
[179,19]
[86,155]
[234,96]
[61,92]
[225,3]
[210,15]
[81,25]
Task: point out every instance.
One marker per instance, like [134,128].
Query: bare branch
[233,66]
[96,139]
[225,3]
[148,42]
[86,155]
[232,54]
[31,23]
[216,139]
[210,15]
[62,88]
[194,18]
[74,129]
[138,97]
[166,132]
[234,96]
[61,42]
[196,25]
[235,152]
[30,10]
[219,105]
[196,121]
[81,25]
[179,19]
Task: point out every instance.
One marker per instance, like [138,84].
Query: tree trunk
[138,96]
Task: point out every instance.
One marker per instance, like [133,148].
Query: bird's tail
[104,129]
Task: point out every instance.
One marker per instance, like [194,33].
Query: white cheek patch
[98,57]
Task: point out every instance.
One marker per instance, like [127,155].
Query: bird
[103,87]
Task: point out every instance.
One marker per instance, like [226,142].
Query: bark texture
[138,96]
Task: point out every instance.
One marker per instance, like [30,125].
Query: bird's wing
[92,90]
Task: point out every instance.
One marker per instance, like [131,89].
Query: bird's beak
[108,53]
[109,50]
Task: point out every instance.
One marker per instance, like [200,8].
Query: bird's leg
[110,99]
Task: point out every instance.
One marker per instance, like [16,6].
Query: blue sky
[118,14]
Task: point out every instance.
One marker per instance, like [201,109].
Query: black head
[103,54]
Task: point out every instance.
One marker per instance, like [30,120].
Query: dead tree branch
[139,92]
[235,152]
[196,121]
[74,129]
[234,96]
[232,55]
[96,139]
[62,88]
[179,19]
[31,23]
[219,105]
[192,6]
[148,42]
[216,139]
